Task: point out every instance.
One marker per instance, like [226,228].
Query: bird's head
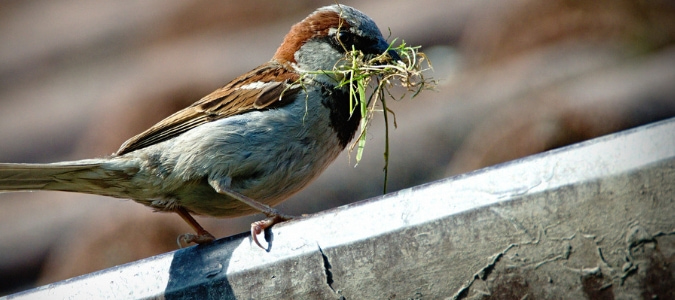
[320,41]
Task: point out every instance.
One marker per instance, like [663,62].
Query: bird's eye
[345,37]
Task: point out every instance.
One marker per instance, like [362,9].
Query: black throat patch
[343,121]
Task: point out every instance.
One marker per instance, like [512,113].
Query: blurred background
[516,77]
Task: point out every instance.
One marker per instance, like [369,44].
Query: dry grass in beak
[370,80]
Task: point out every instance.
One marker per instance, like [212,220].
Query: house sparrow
[241,149]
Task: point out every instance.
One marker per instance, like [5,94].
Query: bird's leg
[202,236]
[273,215]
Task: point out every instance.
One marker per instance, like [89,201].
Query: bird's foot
[260,226]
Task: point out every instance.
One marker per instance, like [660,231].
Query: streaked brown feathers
[273,88]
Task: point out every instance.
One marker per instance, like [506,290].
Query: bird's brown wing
[270,85]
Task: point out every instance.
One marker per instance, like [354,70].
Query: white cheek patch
[258,85]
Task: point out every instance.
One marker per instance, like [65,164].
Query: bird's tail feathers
[93,176]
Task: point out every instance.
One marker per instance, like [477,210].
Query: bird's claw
[259,227]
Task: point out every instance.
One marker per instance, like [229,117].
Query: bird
[241,149]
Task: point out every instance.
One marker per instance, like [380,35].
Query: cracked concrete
[626,260]
[586,241]
[482,274]
[326,269]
